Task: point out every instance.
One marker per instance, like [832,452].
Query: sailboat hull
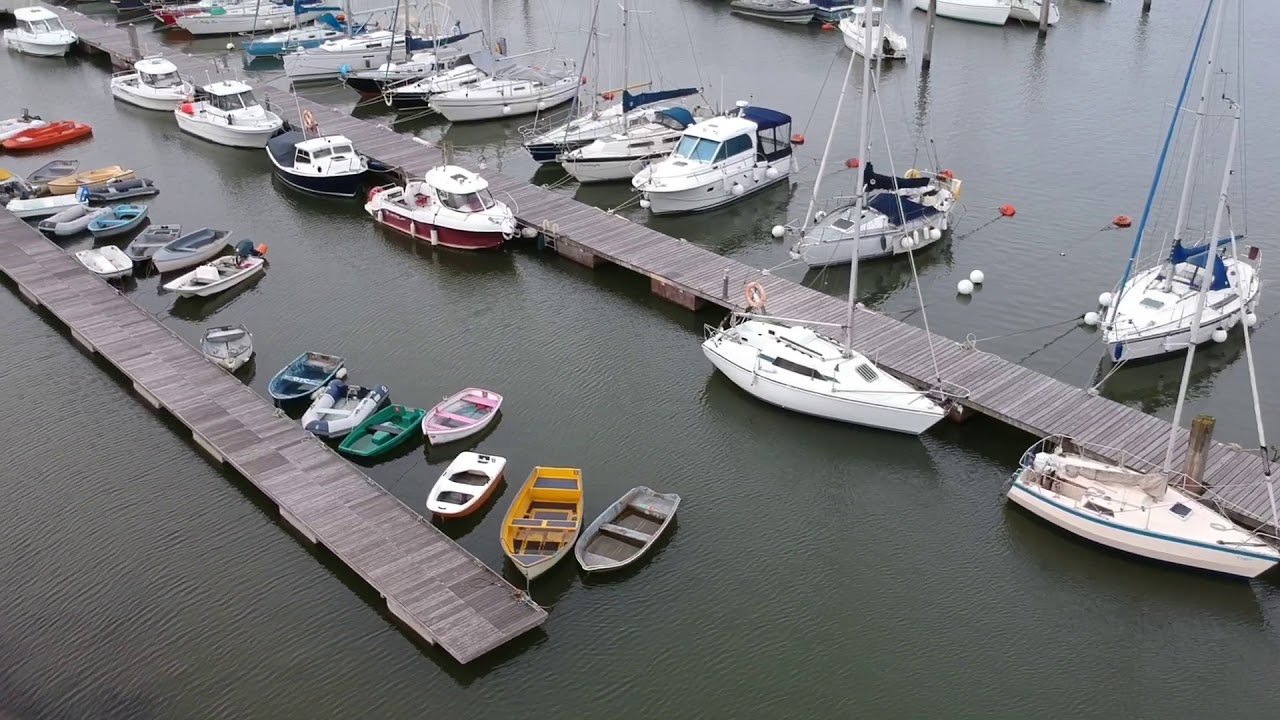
[1150,545]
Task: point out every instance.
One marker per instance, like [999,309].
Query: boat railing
[1202,491]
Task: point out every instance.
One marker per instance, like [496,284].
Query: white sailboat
[787,364]
[1139,508]
[1151,313]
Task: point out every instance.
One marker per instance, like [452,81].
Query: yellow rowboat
[544,520]
[71,183]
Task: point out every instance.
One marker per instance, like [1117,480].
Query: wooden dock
[431,585]
[693,277]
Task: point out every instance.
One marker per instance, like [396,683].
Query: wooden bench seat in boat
[544,524]
[624,533]
[546,483]
[300,380]
[651,513]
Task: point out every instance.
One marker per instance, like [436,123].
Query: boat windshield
[697,149]
[44,26]
[161,80]
[468,202]
[237,101]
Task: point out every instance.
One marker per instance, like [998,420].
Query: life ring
[373,193]
[308,121]
[755,296]
[945,175]
[911,174]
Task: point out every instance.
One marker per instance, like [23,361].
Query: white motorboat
[338,408]
[245,18]
[108,262]
[986,12]
[227,113]
[786,363]
[326,165]
[154,84]
[466,484]
[652,136]
[42,207]
[212,278]
[719,161]
[510,91]
[793,367]
[885,42]
[1152,312]
[450,206]
[39,31]
[12,126]
[228,346]
[900,214]
[1144,512]
[1028,11]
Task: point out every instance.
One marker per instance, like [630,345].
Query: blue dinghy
[118,220]
[308,373]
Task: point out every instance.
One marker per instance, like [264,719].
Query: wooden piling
[1045,6]
[1146,6]
[1198,453]
[135,50]
[928,35]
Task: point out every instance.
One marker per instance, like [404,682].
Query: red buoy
[1007,211]
[262,249]
[828,27]
[188,108]
[797,139]
[851,163]
[946,175]
[607,95]
[584,79]
[1122,221]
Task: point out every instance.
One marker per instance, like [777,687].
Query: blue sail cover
[631,102]
[899,210]
[875,181]
[1197,255]
[766,119]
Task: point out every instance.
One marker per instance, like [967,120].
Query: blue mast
[1164,152]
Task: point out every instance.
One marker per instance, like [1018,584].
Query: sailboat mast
[1197,131]
[626,48]
[864,134]
[822,164]
[1206,279]
[489,32]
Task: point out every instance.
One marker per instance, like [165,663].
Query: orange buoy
[262,248]
[945,175]
[797,139]
[1122,221]
[1007,211]
[607,95]
[828,27]
[851,163]
[754,295]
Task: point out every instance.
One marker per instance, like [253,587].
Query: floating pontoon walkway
[692,276]
[432,585]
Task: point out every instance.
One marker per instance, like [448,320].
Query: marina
[573,351]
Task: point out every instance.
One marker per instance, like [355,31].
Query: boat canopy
[282,146]
[875,181]
[680,117]
[631,102]
[1197,255]
[773,132]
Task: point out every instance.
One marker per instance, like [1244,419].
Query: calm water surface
[817,570]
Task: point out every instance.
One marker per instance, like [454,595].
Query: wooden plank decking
[430,583]
[690,275]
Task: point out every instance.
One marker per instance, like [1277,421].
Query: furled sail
[1071,467]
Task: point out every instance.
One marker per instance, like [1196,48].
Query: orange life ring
[373,193]
[754,293]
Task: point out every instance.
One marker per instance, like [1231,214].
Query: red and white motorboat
[450,206]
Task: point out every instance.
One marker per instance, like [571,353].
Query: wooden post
[1198,453]
[724,289]
[928,35]
[1146,6]
[1045,5]
[135,51]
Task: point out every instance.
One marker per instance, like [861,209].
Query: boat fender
[755,296]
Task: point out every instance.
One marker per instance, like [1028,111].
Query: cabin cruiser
[885,42]
[450,206]
[154,84]
[326,165]
[227,113]
[39,31]
[720,161]
[651,136]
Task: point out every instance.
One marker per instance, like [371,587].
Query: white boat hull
[41,207]
[491,466]
[986,12]
[830,407]
[462,106]
[1028,11]
[243,137]
[535,571]
[240,23]
[717,192]
[182,287]
[39,48]
[590,171]
[1144,544]
[148,99]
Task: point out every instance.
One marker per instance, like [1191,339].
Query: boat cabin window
[302,158]
[1151,303]
[342,150]
[737,145]
[666,120]
[161,80]
[774,143]
[696,149]
[640,145]
[229,103]
[468,202]
[322,153]
[1104,511]
[799,369]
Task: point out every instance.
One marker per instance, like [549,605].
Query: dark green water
[816,570]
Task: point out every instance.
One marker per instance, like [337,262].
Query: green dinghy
[383,431]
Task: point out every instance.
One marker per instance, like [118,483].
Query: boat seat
[389,429]
[649,512]
[555,483]
[300,380]
[625,533]
[560,523]
[527,522]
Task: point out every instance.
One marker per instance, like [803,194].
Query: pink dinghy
[461,415]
